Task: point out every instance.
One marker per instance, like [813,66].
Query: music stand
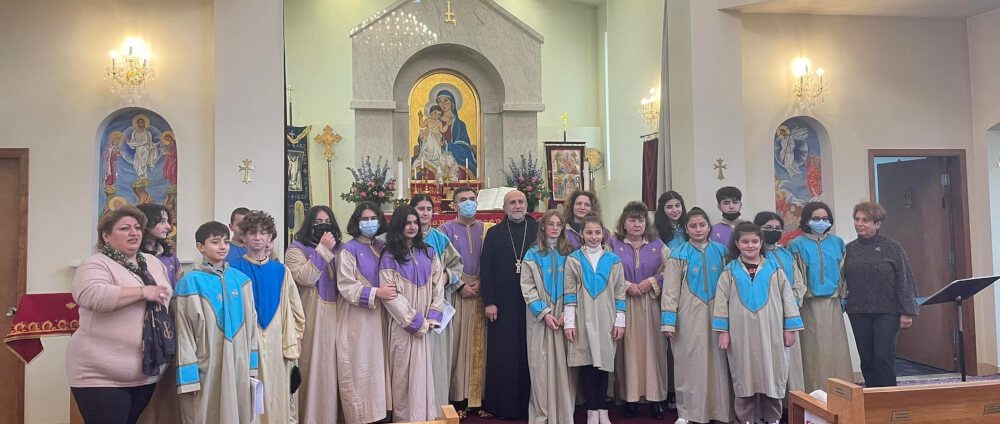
[957,292]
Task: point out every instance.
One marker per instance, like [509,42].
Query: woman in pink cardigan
[126,335]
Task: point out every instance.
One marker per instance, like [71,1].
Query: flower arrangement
[528,178]
[372,182]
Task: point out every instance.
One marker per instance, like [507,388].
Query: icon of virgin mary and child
[444,149]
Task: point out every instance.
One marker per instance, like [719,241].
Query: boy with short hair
[216,338]
[730,202]
[236,247]
[280,317]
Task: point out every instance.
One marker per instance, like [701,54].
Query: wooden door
[13,271]
[920,211]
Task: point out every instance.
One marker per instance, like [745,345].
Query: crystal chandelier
[129,72]
[649,108]
[396,29]
[809,86]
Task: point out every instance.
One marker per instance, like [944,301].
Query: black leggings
[112,405]
[595,387]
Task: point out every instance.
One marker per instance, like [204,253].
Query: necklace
[517,254]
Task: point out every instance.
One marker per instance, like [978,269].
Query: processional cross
[328,139]
[246,167]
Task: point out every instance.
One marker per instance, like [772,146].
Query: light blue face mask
[369,228]
[818,226]
[467,208]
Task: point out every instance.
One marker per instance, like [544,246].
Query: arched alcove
[507,77]
[136,161]
[802,163]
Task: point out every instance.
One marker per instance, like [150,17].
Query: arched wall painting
[798,176]
[138,162]
[445,128]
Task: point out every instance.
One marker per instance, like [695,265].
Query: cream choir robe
[641,361]
[361,361]
[216,345]
[825,349]
[313,269]
[413,313]
[468,369]
[786,261]
[756,312]
[701,371]
[553,385]
[599,296]
[281,322]
[442,345]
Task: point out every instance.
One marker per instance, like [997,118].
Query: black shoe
[631,410]
[657,411]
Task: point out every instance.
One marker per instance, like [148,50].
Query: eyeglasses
[825,218]
[770,228]
[554,224]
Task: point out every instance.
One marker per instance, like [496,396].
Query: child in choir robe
[670,212]
[701,371]
[412,266]
[756,318]
[360,340]
[641,363]
[469,324]
[236,247]
[595,277]
[772,228]
[553,385]
[730,202]
[820,256]
[442,346]
[580,204]
[311,258]
[281,320]
[216,336]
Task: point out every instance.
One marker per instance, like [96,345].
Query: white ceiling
[902,8]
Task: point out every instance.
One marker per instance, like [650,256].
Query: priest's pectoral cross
[246,168]
[720,165]
[449,16]
[517,266]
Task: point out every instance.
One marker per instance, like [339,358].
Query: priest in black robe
[508,383]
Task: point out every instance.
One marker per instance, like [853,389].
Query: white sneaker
[602,416]
[592,417]
[681,421]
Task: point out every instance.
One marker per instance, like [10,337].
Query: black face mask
[319,229]
[771,236]
[731,216]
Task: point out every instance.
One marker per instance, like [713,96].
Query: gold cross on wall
[246,168]
[449,16]
[565,120]
[720,165]
[328,139]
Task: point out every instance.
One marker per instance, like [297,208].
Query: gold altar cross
[720,165]
[449,16]
[328,139]
[246,168]
[565,120]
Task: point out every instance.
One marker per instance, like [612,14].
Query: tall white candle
[586,176]
[399,179]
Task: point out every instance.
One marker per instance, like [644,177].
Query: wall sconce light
[129,70]
[650,109]
[809,86]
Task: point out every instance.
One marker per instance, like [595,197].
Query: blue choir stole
[596,281]
[439,241]
[703,268]
[552,266]
[267,280]
[822,262]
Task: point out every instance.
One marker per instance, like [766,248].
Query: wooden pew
[847,403]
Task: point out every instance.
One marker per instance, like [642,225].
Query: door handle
[11,311]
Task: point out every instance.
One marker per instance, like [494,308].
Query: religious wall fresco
[798,176]
[445,124]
